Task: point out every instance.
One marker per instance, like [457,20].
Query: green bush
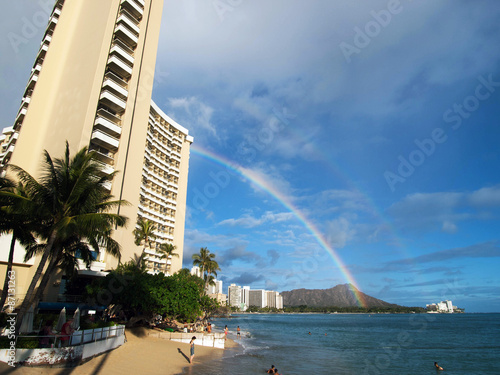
[22,342]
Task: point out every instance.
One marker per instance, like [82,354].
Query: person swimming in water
[271,370]
[437,366]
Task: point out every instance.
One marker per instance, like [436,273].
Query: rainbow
[257,180]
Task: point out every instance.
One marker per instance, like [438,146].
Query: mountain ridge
[341,295]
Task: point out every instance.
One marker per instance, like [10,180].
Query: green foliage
[93,325]
[22,342]
[144,296]
[208,265]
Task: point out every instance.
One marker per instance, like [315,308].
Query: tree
[167,250]
[15,219]
[143,296]
[144,233]
[209,266]
[73,208]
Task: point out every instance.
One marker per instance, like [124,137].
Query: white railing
[83,337]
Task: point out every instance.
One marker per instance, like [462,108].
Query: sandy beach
[141,354]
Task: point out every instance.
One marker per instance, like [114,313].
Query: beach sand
[141,354]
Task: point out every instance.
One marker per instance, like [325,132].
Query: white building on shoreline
[441,307]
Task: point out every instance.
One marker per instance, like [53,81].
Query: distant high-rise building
[245,297]
[215,288]
[195,270]
[257,298]
[91,85]
[234,295]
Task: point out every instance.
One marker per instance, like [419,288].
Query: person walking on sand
[191,344]
[225,333]
[238,333]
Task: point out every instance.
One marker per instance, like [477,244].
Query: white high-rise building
[91,86]
[245,297]
[234,295]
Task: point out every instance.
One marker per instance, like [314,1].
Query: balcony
[106,168]
[126,36]
[47,39]
[25,101]
[32,81]
[114,87]
[102,139]
[133,19]
[43,48]
[112,101]
[109,116]
[21,114]
[121,49]
[53,19]
[132,7]
[102,154]
[8,152]
[119,67]
[129,21]
[37,68]
[107,126]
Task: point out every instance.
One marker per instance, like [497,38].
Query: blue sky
[376,122]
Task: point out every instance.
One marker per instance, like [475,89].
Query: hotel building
[91,85]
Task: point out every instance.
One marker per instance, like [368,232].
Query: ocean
[359,344]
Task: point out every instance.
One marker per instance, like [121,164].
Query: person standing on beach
[238,333]
[191,344]
[66,332]
[225,333]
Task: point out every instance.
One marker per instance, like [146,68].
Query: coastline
[140,354]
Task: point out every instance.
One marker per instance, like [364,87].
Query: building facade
[234,295]
[91,86]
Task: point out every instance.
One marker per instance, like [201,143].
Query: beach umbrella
[76,319]
[61,320]
[27,322]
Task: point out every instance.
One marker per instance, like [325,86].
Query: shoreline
[140,354]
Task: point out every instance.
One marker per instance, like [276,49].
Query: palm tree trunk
[46,277]
[9,268]
[28,298]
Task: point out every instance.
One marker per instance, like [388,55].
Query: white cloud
[485,197]
[339,232]
[442,210]
[249,221]
[193,114]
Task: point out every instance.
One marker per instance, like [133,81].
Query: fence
[78,337]
[82,346]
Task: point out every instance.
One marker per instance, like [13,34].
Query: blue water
[360,344]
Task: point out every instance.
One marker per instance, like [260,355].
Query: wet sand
[141,354]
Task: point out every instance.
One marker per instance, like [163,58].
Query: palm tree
[167,250]
[14,219]
[209,266]
[144,232]
[73,212]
